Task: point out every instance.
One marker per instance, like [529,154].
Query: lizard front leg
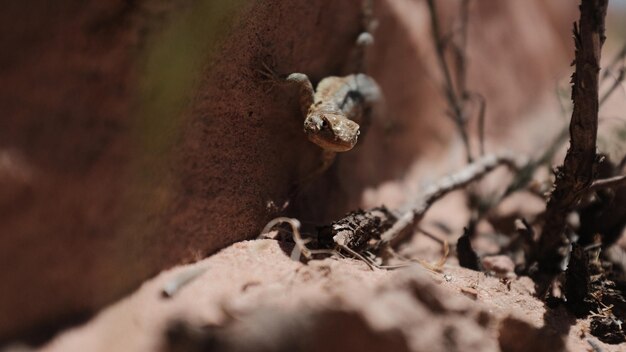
[305,90]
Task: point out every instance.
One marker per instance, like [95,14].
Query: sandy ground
[433,311]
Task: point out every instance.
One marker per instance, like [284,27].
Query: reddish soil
[268,294]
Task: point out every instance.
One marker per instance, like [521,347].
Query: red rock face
[126,147]
[65,76]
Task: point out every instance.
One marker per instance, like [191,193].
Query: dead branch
[411,217]
[576,174]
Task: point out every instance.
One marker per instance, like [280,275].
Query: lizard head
[331,131]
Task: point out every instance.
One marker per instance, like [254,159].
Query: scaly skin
[333,109]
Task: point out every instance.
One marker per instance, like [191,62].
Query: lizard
[337,111]
[333,110]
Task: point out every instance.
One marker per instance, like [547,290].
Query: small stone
[501,265]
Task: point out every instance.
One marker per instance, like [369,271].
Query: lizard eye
[324,123]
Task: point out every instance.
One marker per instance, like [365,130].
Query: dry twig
[617,181]
[411,217]
[455,99]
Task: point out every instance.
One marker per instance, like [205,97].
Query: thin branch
[545,159]
[611,182]
[525,175]
[482,110]
[616,84]
[461,49]
[411,217]
[445,247]
[616,61]
[432,236]
[454,101]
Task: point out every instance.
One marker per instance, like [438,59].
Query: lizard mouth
[332,132]
[330,142]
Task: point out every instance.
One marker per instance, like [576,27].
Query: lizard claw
[268,73]
[268,76]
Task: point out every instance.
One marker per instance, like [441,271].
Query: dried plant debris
[607,329]
[589,292]
[373,235]
[356,235]
[359,230]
